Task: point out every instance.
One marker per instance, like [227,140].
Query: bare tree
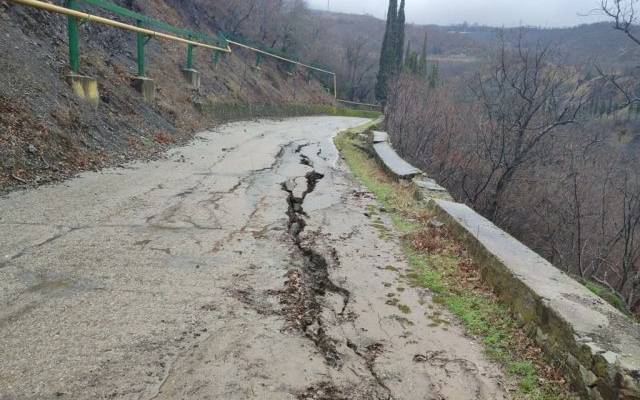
[524,100]
[625,19]
[241,12]
[359,67]
[623,13]
[626,241]
[513,143]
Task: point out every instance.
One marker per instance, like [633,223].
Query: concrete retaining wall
[596,346]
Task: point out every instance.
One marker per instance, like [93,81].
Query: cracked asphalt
[247,265]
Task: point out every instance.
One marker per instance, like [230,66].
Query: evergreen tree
[434,75]
[399,37]
[407,54]
[392,54]
[387,54]
[413,63]
[422,64]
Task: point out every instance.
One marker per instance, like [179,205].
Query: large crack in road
[252,273]
[315,275]
[307,287]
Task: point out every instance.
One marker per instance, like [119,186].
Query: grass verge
[440,264]
[608,295]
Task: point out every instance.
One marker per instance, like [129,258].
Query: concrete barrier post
[146,87]
[193,78]
[85,87]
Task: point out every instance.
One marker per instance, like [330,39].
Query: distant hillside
[457,48]
[590,43]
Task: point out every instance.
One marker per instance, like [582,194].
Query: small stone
[588,378]
[594,348]
[572,361]
[541,337]
[32,149]
[290,185]
[419,358]
[610,357]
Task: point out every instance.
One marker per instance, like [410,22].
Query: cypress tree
[387,54]
[422,64]
[407,55]
[434,76]
[399,37]
[391,56]
[413,63]
[407,52]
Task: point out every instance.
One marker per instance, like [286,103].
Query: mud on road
[247,265]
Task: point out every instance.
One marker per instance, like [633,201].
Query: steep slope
[46,133]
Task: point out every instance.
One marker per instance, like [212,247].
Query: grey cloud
[545,13]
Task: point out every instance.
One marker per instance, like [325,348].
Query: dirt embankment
[47,134]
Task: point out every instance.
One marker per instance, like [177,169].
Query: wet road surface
[247,265]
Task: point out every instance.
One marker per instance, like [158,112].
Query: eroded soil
[248,265]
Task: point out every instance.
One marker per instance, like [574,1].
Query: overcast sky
[545,13]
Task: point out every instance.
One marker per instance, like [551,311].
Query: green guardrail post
[74,46]
[190,55]
[258,60]
[140,43]
[216,57]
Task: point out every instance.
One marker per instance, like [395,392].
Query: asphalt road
[247,265]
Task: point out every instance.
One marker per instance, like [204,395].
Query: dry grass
[163,138]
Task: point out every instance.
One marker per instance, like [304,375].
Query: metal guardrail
[220,44]
[75,16]
[259,51]
[151,22]
[270,50]
[141,39]
[355,103]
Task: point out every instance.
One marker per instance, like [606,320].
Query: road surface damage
[249,264]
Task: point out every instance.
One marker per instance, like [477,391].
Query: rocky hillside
[47,134]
